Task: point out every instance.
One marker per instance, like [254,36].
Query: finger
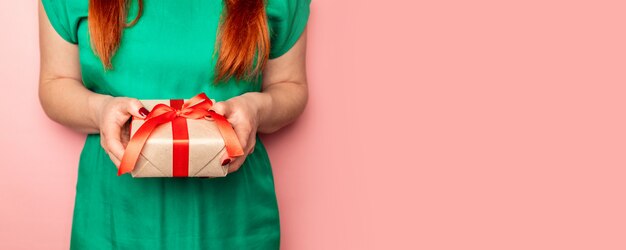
[245,142]
[116,150]
[221,108]
[136,108]
[103,144]
[106,150]
[226,159]
[253,143]
[114,160]
[242,136]
[112,140]
[250,144]
[236,164]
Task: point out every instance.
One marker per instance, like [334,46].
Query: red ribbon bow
[178,113]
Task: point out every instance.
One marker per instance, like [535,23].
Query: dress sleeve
[59,13]
[287,20]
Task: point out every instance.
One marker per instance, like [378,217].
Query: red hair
[242,41]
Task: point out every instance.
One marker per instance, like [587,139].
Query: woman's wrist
[95,104]
[262,102]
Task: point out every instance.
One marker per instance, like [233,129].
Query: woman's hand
[112,115]
[243,112]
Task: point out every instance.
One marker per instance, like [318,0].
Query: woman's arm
[285,85]
[65,99]
[61,92]
[284,96]
[285,91]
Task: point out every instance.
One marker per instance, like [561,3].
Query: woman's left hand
[243,113]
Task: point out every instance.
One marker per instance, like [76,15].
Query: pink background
[431,125]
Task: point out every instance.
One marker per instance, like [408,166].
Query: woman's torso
[169,53]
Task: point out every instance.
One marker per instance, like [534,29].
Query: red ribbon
[177,113]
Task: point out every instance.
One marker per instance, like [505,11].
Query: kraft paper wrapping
[206,148]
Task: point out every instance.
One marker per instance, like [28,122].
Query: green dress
[169,54]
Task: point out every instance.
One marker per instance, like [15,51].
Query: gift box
[179,138]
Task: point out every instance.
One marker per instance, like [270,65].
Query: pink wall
[431,125]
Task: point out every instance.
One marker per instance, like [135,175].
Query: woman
[99,57]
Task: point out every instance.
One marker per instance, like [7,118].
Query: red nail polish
[225,162]
[143,111]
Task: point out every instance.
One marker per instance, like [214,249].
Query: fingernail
[226,162]
[143,111]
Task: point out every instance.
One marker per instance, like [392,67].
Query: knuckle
[219,108]
[246,129]
[125,103]
[118,102]
[233,169]
[109,142]
[134,103]
[104,136]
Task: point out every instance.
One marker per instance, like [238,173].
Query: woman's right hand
[111,116]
